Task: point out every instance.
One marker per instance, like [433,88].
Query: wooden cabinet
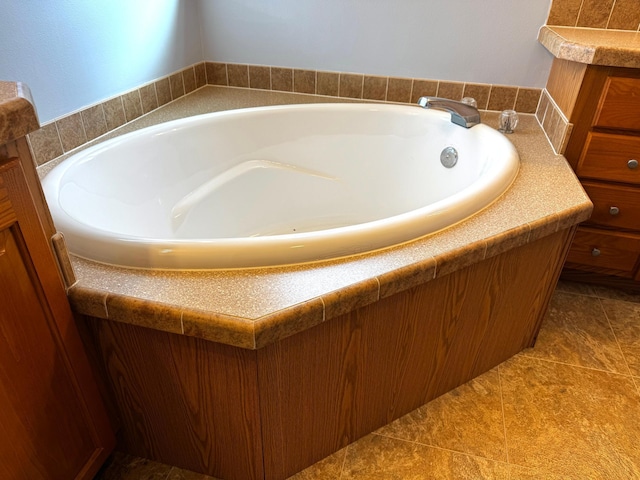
[604,150]
[52,422]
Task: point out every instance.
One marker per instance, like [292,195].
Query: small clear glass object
[470,101]
[508,121]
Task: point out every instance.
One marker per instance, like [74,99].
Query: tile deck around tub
[250,308]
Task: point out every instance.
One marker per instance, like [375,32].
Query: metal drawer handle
[614,210]
[632,164]
[595,252]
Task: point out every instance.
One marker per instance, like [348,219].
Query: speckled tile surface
[272,298]
[594,46]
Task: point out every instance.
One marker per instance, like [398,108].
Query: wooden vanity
[602,102]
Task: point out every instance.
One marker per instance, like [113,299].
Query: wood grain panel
[328,386]
[606,196]
[620,105]
[181,400]
[52,423]
[606,157]
[618,252]
[564,82]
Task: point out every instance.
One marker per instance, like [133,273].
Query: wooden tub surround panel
[247,414]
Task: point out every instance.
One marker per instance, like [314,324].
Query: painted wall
[73,53]
[488,41]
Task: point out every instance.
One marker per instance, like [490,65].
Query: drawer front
[603,252]
[620,104]
[614,206]
[611,157]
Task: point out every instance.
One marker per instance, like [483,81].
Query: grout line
[504,422]
[604,312]
[592,369]
[579,12]
[613,6]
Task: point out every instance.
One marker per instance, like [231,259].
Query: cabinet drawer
[620,104]
[614,206]
[610,157]
[604,252]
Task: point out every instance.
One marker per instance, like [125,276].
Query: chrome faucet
[461,114]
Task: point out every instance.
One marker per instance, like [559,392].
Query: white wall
[73,53]
[484,41]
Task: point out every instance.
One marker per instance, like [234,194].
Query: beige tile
[624,318]
[238,75]
[379,457]
[163,91]
[399,90]
[374,88]
[71,131]
[144,313]
[423,88]
[62,257]
[350,298]
[527,100]
[177,85]
[543,105]
[114,113]
[94,122]
[216,73]
[189,78]
[45,143]
[478,91]
[595,13]
[625,15]
[574,287]
[407,277]
[522,473]
[132,105]
[179,474]
[148,98]
[564,12]
[615,294]
[288,321]
[575,331]
[219,328]
[121,466]
[328,83]
[304,81]
[351,85]
[467,420]
[502,98]
[282,79]
[451,90]
[570,420]
[328,468]
[88,301]
[259,77]
[201,75]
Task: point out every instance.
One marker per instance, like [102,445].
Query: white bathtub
[274,185]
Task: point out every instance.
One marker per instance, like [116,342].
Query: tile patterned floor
[569,408]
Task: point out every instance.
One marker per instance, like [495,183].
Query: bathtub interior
[296,173]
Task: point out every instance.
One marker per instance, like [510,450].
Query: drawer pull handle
[614,210]
[632,164]
[595,252]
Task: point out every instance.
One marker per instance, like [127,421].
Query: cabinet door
[52,423]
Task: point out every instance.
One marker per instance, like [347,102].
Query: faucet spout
[461,114]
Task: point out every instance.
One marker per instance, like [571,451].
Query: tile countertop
[251,308]
[18,115]
[614,48]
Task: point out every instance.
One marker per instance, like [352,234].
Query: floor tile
[179,474]
[625,322]
[615,294]
[576,331]
[521,473]
[329,468]
[121,466]
[376,457]
[467,419]
[574,287]
[569,420]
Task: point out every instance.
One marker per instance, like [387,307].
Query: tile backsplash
[609,14]
[71,131]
